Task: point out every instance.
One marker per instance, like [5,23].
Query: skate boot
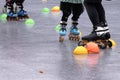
[62,32]
[74,32]
[11,15]
[99,35]
[22,14]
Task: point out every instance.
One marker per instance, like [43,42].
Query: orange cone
[92,47]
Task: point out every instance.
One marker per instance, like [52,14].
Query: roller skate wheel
[113,42]
[102,45]
[61,38]
[81,43]
[109,44]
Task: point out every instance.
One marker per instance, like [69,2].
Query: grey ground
[24,51]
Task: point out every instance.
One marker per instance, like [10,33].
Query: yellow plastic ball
[113,42]
[56,9]
[80,50]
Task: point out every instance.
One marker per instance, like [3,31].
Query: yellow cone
[113,42]
[56,9]
[80,50]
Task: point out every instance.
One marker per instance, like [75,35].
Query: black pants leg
[77,10]
[70,8]
[101,12]
[66,10]
[95,12]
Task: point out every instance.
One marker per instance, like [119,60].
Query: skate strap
[101,30]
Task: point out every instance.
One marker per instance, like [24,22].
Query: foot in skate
[100,35]
[102,44]
[74,34]
[62,33]
[22,14]
[11,16]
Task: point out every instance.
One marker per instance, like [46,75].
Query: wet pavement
[35,53]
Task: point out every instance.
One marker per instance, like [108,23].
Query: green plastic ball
[57,28]
[47,10]
[3,16]
[29,23]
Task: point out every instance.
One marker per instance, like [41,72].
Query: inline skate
[11,15]
[74,32]
[99,35]
[62,32]
[22,14]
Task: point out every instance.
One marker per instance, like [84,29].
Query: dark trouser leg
[77,10]
[92,13]
[101,12]
[96,14]
[66,10]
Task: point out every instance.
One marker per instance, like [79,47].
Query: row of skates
[100,35]
[15,13]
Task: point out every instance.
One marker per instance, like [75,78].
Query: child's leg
[66,11]
[77,10]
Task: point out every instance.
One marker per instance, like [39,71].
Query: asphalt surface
[35,53]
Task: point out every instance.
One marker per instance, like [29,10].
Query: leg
[102,18]
[66,11]
[92,13]
[101,12]
[77,10]
[98,32]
